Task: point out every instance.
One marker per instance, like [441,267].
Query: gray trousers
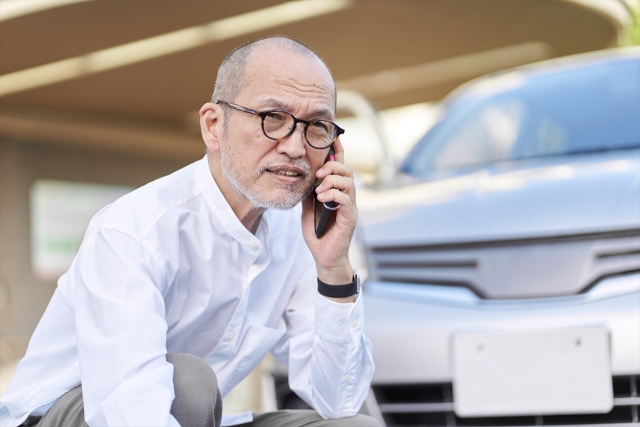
[197,404]
[307,418]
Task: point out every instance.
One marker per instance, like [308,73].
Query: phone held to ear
[327,208]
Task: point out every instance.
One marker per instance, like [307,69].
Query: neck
[248,214]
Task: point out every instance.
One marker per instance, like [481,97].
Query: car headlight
[611,286]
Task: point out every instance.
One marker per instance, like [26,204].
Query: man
[215,263]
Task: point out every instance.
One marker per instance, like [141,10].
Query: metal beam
[100,134]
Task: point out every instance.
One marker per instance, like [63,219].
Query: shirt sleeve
[330,358]
[121,329]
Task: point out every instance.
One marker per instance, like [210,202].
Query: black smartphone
[327,208]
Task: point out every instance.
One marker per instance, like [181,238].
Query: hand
[331,252]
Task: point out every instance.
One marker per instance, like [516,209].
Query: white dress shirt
[170,268]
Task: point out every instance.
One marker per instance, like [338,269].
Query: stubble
[247,182]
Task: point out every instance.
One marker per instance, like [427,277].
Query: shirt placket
[257,260]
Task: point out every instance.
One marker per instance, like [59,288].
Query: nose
[295,144]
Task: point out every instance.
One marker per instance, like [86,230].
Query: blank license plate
[532,372]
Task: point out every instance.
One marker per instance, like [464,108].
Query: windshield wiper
[604,149]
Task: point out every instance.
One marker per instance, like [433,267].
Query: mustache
[297,163]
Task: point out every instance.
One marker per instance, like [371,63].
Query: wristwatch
[340,291]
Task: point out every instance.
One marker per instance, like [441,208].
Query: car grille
[432,405]
[523,268]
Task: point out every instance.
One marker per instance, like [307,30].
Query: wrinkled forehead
[275,70]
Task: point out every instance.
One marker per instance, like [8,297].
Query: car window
[583,109]
[595,110]
[487,136]
[486,133]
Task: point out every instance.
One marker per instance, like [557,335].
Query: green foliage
[631,35]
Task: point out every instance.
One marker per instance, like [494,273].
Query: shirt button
[254,246]
[230,336]
[348,378]
[354,323]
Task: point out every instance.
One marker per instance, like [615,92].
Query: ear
[211,117]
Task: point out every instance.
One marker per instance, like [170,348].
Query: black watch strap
[339,291]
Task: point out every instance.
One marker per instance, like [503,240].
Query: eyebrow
[321,112]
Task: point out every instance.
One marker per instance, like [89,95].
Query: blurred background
[98,97]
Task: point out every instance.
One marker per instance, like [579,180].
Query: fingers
[347,212]
[337,196]
[341,183]
[336,178]
[334,168]
[338,149]
[337,189]
[337,166]
[337,186]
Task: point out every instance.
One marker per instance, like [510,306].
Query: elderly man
[181,287]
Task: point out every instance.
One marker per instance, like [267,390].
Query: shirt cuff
[338,322]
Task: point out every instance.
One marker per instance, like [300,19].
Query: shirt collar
[220,207]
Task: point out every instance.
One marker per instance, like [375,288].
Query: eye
[276,117]
[320,126]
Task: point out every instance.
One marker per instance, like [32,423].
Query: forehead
[295,81]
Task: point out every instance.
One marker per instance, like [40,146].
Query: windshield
[591,108]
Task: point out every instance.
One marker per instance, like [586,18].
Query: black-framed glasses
[279,124]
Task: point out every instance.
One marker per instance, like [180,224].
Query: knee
[192,373]
[196,389]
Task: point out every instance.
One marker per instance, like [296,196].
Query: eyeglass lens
[319,134]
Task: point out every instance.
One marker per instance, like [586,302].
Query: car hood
[530,198]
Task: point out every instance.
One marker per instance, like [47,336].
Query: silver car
[504,264]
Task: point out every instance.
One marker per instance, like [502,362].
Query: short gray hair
[231,79]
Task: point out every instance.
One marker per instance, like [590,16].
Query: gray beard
[260,198]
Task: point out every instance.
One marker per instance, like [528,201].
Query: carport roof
[397,52]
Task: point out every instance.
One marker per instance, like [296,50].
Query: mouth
[286,171]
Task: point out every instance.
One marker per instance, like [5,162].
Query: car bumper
[411,326]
